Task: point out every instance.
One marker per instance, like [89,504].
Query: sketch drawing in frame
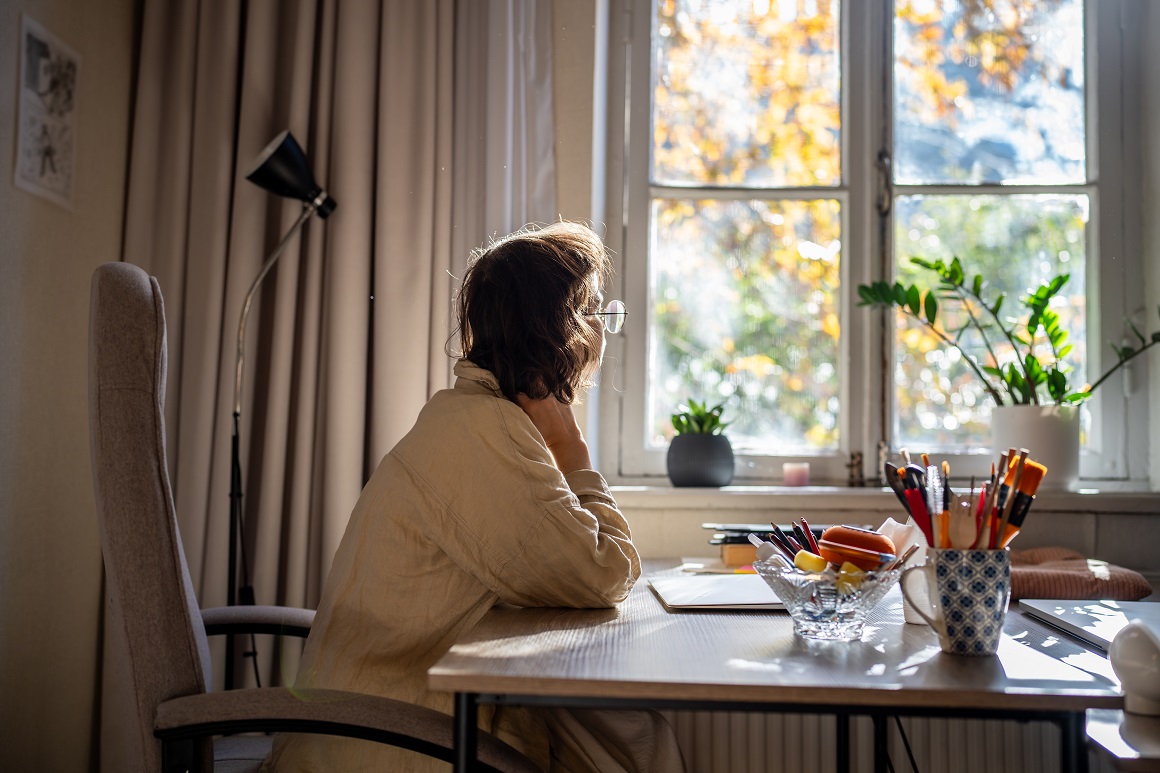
[46,133]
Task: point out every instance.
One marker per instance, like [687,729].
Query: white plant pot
[1049,432]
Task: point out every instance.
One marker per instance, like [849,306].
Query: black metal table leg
[843,732]
[881,751]
[466,720]
[1073,744]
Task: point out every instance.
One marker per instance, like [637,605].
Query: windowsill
[1109,497]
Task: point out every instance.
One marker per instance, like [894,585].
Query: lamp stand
[245,594]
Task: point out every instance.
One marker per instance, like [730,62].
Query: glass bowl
[827,605]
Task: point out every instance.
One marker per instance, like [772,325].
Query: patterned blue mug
[969,591]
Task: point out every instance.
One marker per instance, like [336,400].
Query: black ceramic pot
[700,460]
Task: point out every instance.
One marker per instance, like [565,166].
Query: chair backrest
[152,605]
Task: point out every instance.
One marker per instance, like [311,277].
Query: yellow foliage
[831,327]
[758,365]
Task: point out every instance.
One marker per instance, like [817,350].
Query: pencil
[801,537]
[812,539]
[779,542]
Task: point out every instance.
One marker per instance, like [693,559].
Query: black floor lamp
[282,169]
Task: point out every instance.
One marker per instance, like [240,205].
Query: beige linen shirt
[467,511]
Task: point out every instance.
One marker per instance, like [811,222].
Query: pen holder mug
[968,592]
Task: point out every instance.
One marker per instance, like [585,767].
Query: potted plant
[699,454]
[1037,374]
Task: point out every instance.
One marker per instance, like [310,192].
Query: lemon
[849,578]
[808,562]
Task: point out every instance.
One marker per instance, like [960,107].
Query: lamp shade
[282,169]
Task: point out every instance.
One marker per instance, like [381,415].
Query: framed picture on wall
[46,129]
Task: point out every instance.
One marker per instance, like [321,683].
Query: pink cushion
[1062,573]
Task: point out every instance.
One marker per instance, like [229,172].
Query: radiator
[726,742]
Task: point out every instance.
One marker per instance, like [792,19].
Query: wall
[1150,107]
[573,47]
[50,561]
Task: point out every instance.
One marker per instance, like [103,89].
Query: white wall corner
[1150,204]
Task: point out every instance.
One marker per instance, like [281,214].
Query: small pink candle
[795,474]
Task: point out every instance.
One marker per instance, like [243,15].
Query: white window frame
[1115,268]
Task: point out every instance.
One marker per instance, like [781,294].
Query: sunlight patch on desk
[1021,662]
[509,647]
[1093,663]
[909,666]
[1106,732]
[878,669]
[754,665]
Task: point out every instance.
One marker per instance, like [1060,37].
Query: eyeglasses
[614,314]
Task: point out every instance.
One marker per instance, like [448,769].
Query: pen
[920,514]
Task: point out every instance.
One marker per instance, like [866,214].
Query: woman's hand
[557,424]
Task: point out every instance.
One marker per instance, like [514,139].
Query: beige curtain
[430,124]
[345,340]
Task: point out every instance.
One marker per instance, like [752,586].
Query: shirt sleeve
[527,532]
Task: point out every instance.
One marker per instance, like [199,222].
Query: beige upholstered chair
[151,599]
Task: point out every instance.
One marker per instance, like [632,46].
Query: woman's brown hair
[522,306]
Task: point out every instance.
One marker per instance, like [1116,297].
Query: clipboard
[715,592]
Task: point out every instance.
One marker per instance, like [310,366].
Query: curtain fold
[430,125]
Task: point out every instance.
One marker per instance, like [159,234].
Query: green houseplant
[1026,372]
[700,454]
[1038,373]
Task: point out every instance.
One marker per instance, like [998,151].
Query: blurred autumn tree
[744,288]
[986,92]
[744,272]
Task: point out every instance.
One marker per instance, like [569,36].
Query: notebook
[1096,622]
[714,592]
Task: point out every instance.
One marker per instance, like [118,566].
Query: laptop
[1095,622]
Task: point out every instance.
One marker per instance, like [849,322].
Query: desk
[1130,741]
[638,655]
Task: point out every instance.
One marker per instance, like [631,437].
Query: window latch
[885,188]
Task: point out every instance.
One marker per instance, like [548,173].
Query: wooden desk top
[1131,741]
[640,651]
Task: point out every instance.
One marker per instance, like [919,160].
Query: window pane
[744,299]
[1016,243]
[989,91]
[746,93]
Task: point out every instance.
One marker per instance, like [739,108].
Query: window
[778,153]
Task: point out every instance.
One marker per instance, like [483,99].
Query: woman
[491,497]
